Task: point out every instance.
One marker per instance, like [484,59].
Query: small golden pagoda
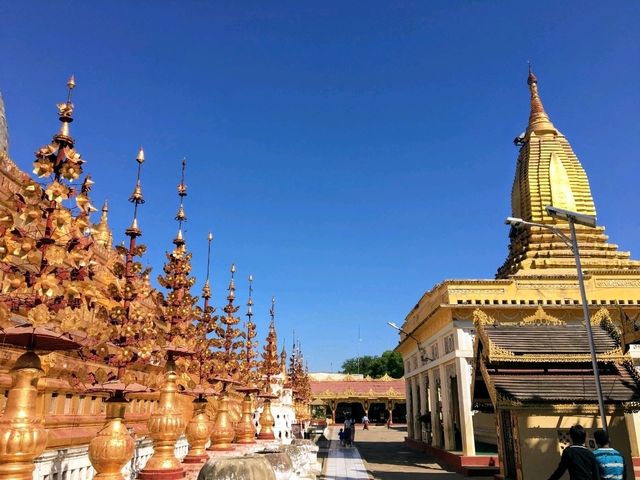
[536,284]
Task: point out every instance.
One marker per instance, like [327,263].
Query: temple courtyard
[381,454]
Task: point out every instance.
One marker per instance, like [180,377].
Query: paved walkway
[381,454]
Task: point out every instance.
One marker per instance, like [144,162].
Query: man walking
[578,459]
[610,461]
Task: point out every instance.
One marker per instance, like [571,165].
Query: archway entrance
[353,409]
[378,412]
[400,413]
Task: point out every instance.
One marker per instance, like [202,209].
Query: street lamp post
[423,354]
[590,221]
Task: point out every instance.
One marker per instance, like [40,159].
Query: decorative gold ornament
[223,432]
[266,422]
[113,447]
[165,427]
[22,433]
[198,431]
[246,430]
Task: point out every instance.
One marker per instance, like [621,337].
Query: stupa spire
[181,216]
[548,172]
[65,114]
[249,363]
[136,198]
[206,289]
[101,232]
[539,121]
[270,365]
[180,310]
[4,131]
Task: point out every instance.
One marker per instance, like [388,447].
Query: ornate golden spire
[250,301]
[65,113]
[136,198]
[206,289]
[539,122]
[270,365]
[4,131]
[181,215]
[283,359]
[179,305]
[101,232]
[249,376]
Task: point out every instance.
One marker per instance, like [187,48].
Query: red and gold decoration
[131,330]
[225,365]
[269,369]
[199,426]
[64,287]
[298,376]
[246,430]
[46,294]
[178,312]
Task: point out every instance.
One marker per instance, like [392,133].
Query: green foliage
[390,362]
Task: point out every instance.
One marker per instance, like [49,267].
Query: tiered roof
[546,362]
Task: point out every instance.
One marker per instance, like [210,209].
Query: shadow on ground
[387,457]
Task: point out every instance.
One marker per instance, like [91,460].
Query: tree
[389,363]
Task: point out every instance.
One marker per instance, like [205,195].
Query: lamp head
[393,325]
[514,222]
[568,215]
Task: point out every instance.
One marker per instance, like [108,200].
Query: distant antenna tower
[359,341]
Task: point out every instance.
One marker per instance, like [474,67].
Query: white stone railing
[73,463]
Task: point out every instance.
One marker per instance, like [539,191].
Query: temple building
[334,395]
[514,316]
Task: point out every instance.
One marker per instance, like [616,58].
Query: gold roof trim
[540,317]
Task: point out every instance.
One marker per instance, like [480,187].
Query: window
[449,345]
[434,351]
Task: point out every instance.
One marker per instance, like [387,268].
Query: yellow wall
[539,447]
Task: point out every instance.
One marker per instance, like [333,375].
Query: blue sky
[348,154]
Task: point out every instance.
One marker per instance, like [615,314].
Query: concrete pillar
[407,386]
[464,400]
[449,441]
[423,399]
[433,400]
[417,434]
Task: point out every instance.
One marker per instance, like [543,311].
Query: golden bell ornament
[22,434]
[198,431]
[113,447]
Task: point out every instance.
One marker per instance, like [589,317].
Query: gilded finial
[181,216]
[531,78]
[101,232]
[539,121]
[206,290]
[179,240]
[65,114]
[136,198]
[71,84]
[182,188]
[272,310]
[250,301]
[232,286]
